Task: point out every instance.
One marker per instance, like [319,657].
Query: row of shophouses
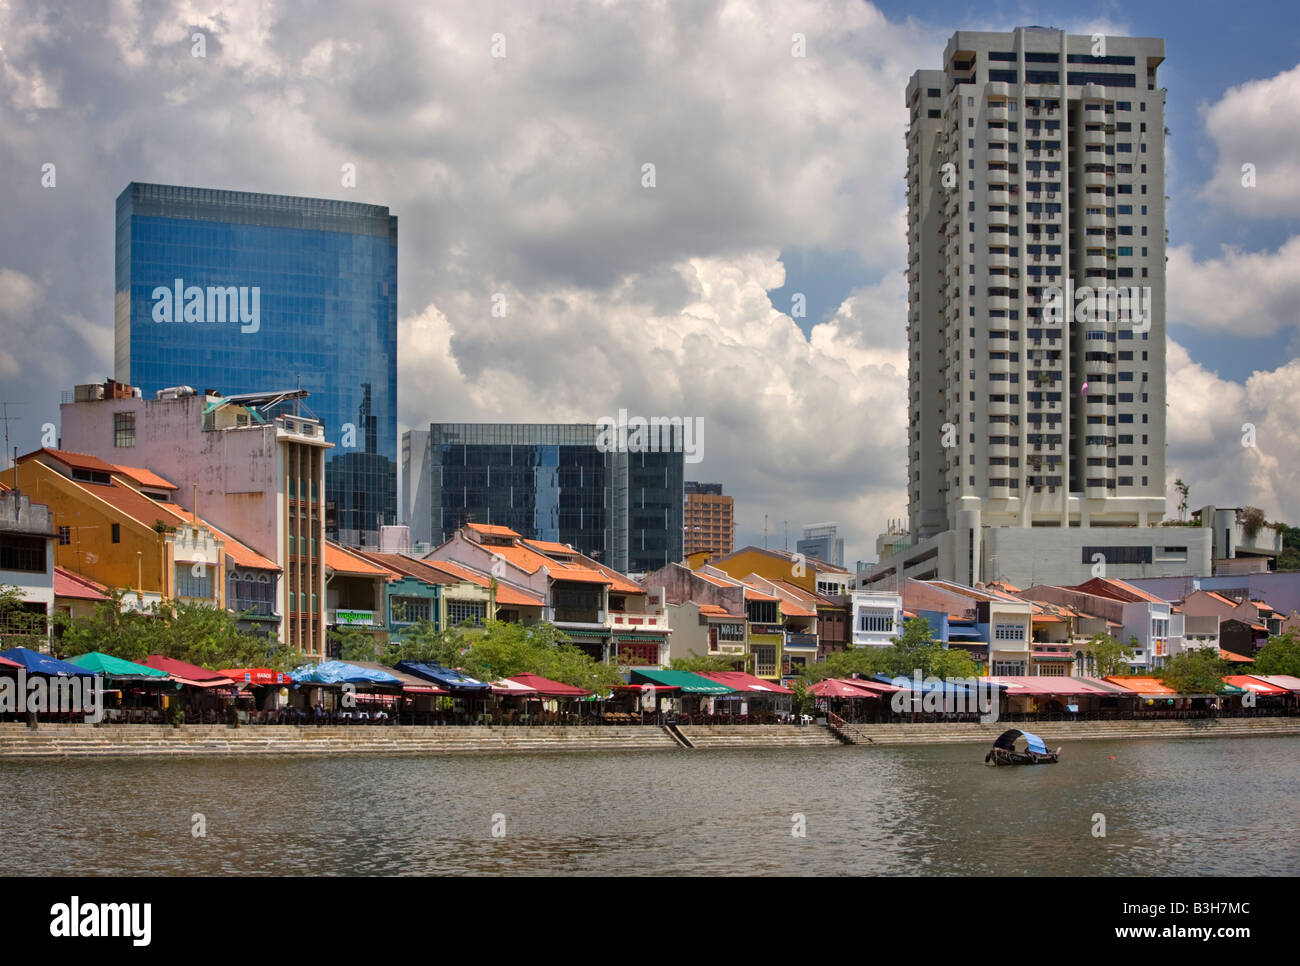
[220,500]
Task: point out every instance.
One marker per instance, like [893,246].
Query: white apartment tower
[1036,160]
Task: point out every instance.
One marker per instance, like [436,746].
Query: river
[1171,808]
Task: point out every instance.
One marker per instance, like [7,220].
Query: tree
[915,650]
[1252,521]
[1281,655]
[185,630]
[804,702]
[355,645]
[1289,558]
[424,643]
[708,662]
[1183,490]
[1109,656]
[1195,672]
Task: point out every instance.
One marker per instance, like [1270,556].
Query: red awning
[5,662]
[191,674]
[846,688]
[744,683]
[548,688]
[1249,683]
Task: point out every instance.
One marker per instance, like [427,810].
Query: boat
[1006,752]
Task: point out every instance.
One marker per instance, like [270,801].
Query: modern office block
[238,292]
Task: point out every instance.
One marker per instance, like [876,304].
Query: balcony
[649,622]
[1095,219]
[1094,115]
[996,112]
[999,155]
[1000,365]
[998,303]
[999,260]
[998,217]
[1094,138]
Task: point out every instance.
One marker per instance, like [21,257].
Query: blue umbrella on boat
[37,663]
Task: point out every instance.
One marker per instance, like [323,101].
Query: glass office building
[243,292]
[546,482]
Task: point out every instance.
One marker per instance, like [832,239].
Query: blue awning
[444,676]
[38,663]
[339,672]
[926,687]
[964,633]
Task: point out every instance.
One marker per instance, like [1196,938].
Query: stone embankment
[87,741]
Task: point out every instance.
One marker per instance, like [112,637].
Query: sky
[523,176]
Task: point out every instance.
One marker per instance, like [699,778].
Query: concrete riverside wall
[82,740]
[1055,732]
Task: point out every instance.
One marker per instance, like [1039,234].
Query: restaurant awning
[35,662]
[507,688]
[1248,682]
[5,662]
[841,688]
[340,672]
[548,688]
[444,677]
[116,668]
[1044,685]
[185,673]
[688,681]
[1287,681]
[745,683]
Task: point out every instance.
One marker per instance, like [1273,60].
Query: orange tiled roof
[145,477]
[713,610]
[1236,658]
[492,530]
[548,546]
[69,584]
[506,594]
[135,504]
[343,561]
[242,555]
[80,461]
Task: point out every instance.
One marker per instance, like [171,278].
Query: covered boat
[1015,747]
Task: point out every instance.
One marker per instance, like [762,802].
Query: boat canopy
[1007,741]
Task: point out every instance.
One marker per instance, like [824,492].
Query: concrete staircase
[759,736]
[85,741]
[1058,731]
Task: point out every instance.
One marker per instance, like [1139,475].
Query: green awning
[115,667]
[580,633]
[689,682]
[647,638]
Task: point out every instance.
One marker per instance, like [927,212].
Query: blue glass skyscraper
[243,292]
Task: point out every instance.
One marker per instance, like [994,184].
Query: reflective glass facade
[546,482]
[243,292]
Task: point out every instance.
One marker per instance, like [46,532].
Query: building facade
[241,292]
[551,482]
[1036,299]
[254,468]
[710,519]
[822,541]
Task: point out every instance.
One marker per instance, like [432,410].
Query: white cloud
[1247,293]
[1206,419]
[1255,123]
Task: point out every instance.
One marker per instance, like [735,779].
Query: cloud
[1208,421]
[1247,293]
[1254,123]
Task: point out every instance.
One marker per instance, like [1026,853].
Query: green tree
[912,651]
[425,643]
[708,662]
[1109,656]
[1281,655]
[1183,490]
[184,630]
[355,645]
[1195,672]
[1289,558]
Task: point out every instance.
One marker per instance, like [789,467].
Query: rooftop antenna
[787,534]
[764,531]
[6,418]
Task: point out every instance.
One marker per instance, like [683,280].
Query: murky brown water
[1183,807]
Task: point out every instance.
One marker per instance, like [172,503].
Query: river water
[1171,808]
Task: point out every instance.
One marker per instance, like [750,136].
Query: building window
[409,610]
[458,611]
[1009,668]
[765,661]
[875,621]
[188,585]
[25,554]
[65,536]
[123,430]
[1009,632]
[731,632]
[117,533]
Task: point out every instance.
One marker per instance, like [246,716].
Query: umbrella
[109,666]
